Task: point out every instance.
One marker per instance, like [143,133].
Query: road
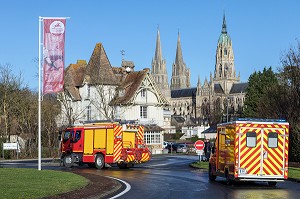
[169,176]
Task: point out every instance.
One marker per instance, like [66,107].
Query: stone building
[221,94]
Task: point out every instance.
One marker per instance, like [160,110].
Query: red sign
[199,145]
[54,55]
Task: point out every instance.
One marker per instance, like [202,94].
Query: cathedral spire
[224,28]
[159,69]
[199,82]
[179,58]
[158,51]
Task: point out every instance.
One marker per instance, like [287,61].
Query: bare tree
[106,94]
[67,108]
[9,84]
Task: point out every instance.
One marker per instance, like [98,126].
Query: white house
[191,131]
[98,91]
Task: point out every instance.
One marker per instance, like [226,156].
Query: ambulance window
[273,140]
[251,139]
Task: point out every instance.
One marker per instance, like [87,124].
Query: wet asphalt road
[170,177]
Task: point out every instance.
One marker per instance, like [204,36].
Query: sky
[261,32]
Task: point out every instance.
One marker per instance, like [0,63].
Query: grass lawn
[293,172]
[32,183]
[200,165]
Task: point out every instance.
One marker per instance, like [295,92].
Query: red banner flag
[53,54]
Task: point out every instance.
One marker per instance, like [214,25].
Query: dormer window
[143,93]
[88,91]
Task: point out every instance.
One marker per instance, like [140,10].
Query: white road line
[128,187]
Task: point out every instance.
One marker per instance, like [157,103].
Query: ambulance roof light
[260,120]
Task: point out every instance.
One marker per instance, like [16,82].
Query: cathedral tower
[180,73]
[225,73]
[159,69]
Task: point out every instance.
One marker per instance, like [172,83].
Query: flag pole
[39,101]
[40,95]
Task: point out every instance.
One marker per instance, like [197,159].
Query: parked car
[172,147]
[182,148]
[165,144]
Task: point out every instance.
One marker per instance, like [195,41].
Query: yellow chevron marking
[254,168]
[250,159]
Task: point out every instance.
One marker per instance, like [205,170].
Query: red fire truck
[251,150]
[102,144]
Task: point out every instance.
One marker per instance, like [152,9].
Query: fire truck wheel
[211,176]
[68,161]
[272,184]
[99,161]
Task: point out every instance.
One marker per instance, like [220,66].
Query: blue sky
[261,31]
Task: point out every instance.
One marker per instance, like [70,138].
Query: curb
[107,193]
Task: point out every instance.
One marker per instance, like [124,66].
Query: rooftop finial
[224,29]
[123,54]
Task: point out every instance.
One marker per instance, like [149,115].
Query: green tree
[259,85]
[289,78]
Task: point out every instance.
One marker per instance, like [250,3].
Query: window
[273,140]
[143,111]
[88,91]
[89,112]
[152,137]
[143,93]
[67,135]
[225,51]
[251,139]
[77,135]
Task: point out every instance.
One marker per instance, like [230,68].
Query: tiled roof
[153,127]
[129,87]
[238,88]
[186,92]
[99,69]
[178,118]
[73,78]
[218,88]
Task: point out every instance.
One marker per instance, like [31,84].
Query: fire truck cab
[102,144]
[251,150]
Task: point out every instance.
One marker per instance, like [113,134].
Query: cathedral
[220,97]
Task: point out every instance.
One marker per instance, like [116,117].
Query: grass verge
[200,165]
[293,171]
[32,183]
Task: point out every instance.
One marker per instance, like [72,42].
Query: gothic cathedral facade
[222,96]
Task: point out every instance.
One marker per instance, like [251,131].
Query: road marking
[128,187]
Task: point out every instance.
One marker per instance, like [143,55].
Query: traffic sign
[199,145]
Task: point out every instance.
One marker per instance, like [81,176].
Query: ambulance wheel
[272,184]
[99,161]
[211,176]
[68,161]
